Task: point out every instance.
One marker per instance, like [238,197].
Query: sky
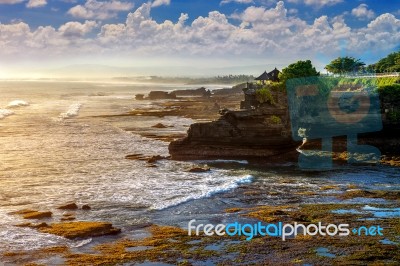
[198,37]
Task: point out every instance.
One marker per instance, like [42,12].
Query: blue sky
[225,33]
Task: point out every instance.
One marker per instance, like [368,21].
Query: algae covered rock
[81,229]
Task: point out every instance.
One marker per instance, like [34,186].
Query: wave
[17,103]
[73,110]
[207,192]
[5,112]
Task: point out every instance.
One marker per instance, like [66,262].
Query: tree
[390,63]
[298,70]
[342,65]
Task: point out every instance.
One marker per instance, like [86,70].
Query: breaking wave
[5,112]
[73,110]
[17,103]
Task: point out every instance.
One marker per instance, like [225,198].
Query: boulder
[86,207]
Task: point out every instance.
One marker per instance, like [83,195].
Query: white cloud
[237,1]
[362,12]
[268,33]
[93,9]
[76,29]
[36,3]
[157,3]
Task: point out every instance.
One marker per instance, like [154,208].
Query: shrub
[275,120]
[264,95]
[394,116]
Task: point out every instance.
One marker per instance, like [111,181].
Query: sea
[63,141]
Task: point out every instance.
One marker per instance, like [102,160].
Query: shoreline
[283,197]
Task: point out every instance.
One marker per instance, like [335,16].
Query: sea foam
[5,112]
[17,103]
[73,110]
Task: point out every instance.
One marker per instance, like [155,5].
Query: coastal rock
[161,95]
[32,214]
[35,226]
[73,230]
[240,134]
[86,207]
[154,159]
[199,170]
[69,206]
[139,97]
[37,215]
[159,125]
[200,92]
[68,218]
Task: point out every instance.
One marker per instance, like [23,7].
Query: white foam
[17,103]
[5,112]
[73,110]
[204,191]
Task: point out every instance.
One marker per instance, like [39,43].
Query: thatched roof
[264,76]
[273,75]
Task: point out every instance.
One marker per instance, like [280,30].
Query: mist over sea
[56,146]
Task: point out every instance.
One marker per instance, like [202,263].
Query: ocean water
[55,148]
[57,144]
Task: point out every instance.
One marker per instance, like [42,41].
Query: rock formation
[260,133]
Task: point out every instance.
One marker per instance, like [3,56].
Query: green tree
[390,63]
[299,69]
[342,65]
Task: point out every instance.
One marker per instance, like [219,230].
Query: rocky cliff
[261,133]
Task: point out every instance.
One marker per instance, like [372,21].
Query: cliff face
[261,133]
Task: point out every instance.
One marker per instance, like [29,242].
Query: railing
[365,75]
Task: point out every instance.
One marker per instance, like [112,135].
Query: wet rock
[199,170]
[161,95]
[67,218]
[37,215]
[139,97]
[35,226]
[81,229]
[69,206]
[159,125]
[86,207]
[137,156]
[155,158]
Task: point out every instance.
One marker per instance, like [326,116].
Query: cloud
[236,1]
[258,32]
[11,2]
[362,12]
[317,3]
[93,9]
[76,29]
[157,3]
[36,3]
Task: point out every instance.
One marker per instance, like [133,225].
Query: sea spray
[73,110]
